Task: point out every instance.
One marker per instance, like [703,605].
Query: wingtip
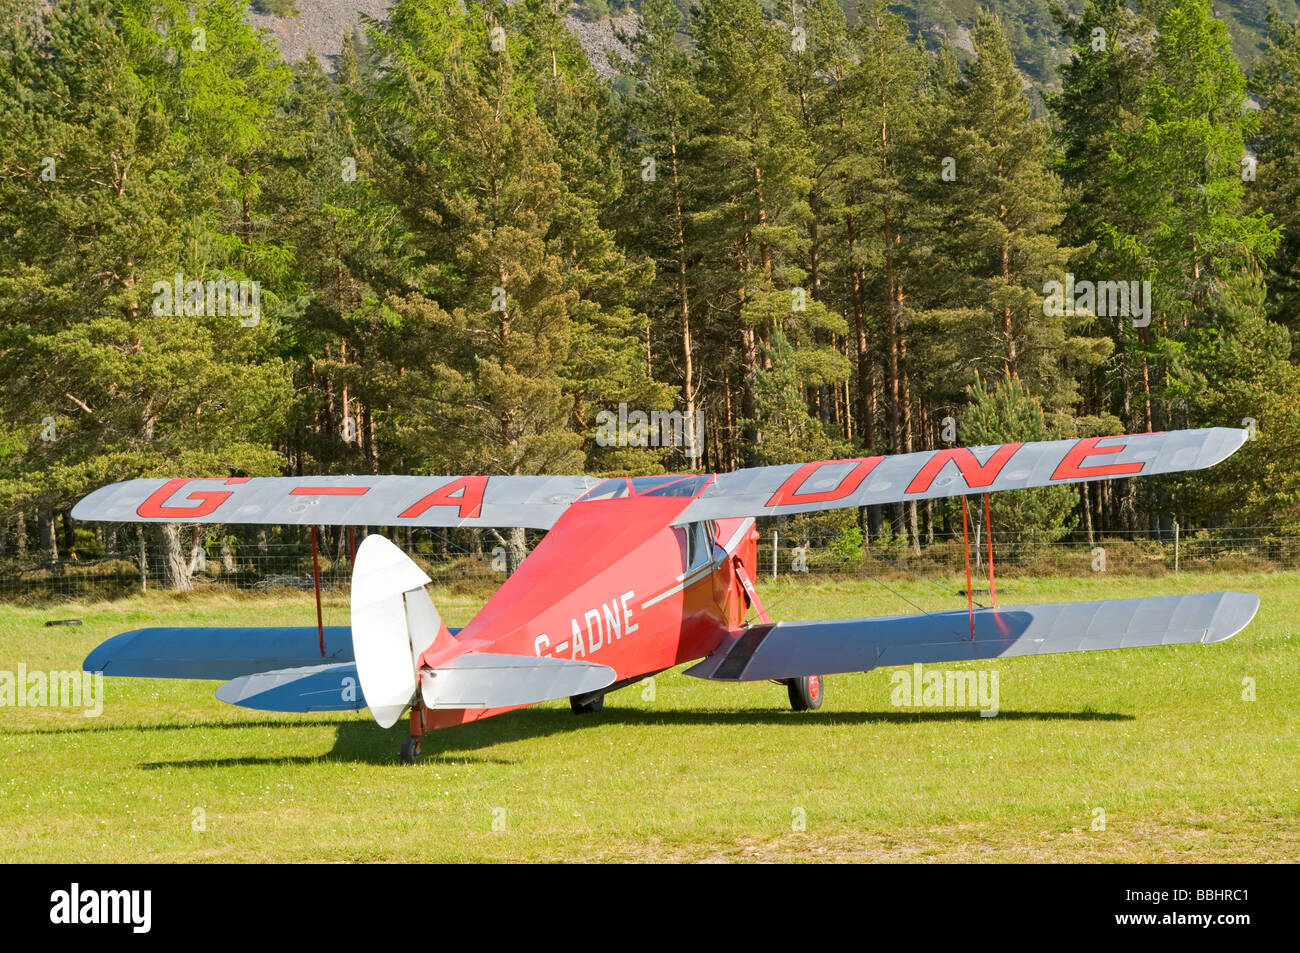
[1222,443]
[1235,611]
[102,655]
[84,508]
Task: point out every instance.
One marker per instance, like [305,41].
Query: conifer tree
[137,379]
[1178,179]
[994,250]
[1275,188]
[1008,412]
[662,116]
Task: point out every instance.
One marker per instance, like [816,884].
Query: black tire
[589,707]
[806,693]
[410,750]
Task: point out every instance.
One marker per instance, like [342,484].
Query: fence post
[775,542]
[1175,545]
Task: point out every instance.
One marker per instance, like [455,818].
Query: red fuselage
[614,582]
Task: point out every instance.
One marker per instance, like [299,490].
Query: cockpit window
[607,490]
[696,541]
[668,485]
[678,485]
[647,485]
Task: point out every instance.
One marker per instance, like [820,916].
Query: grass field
[1160,741]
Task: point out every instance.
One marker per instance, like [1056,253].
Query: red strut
[988,528]
[315,578]
[970,594]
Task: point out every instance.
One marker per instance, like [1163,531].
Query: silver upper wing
[538,501]
[957,471]
[531,501]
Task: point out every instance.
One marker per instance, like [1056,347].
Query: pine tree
[754,189]
[136,382]
[1008,412]
[609,361]
[820,58]
[1275,81]
[662,116]
[879,134]
[1100,105]
[1244,376]
[994,249]
[1177,177]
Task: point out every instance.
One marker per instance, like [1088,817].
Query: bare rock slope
[321,25]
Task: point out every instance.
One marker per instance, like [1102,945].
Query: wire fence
[268,567]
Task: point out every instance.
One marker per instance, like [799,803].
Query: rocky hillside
[320,25]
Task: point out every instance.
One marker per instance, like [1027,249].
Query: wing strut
[970,593]
[988,530]
[750,592]
[315,579]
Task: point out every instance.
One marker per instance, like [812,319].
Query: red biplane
[634,576]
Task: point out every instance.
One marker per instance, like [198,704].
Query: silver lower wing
[794,649]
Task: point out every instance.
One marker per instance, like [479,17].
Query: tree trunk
[172,553]
[20,535]
[865,414]
[516,547]
[1087,512]
[142,557]
[49,539]
[684,306]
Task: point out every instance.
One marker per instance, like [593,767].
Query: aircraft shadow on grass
[366,742]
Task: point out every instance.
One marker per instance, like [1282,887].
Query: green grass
[1160,739]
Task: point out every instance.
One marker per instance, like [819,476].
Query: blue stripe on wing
[309,689]
[218,653]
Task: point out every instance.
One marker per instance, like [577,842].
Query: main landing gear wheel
[410,750]
[588,707]
[805,692]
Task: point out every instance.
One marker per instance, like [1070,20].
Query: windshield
[668,485]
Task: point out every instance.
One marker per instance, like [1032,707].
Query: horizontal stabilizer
[218,653]
[312,688]
[215,652]
[795,649]
[482,680]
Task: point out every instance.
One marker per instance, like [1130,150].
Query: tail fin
[393,622]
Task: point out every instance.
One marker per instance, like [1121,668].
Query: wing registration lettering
[466,494]
[789,491]
[155,507]
[1072,467]
[975,474]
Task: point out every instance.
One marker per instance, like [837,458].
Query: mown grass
[1159,739]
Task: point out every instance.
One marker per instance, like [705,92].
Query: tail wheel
[586,705]
[411,750]
[806,692]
